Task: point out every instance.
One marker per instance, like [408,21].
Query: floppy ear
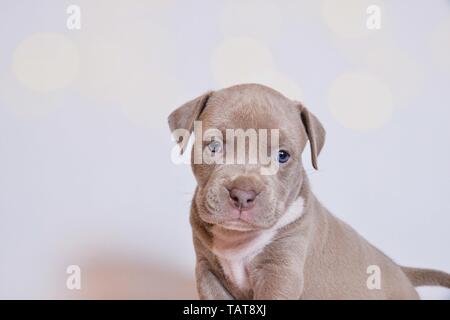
[315,133]
[182,119]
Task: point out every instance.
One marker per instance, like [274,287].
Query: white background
[86,176]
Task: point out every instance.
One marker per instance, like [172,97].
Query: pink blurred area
[124,277]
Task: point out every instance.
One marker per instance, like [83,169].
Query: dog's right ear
[181,121]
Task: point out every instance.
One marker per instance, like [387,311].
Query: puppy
[266,236]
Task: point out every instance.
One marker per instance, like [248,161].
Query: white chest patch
[234,255]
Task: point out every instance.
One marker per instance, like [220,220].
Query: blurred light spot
[348,18]
[131,65]
[239,60]
[304,12]
[440,45]
[245,60]
[360,101]
[45,62]
[398,70]
[257,19]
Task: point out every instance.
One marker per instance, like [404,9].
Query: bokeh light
[398,70]
[261,20]
[246,60]
[45,62]
[360,101]
[130,65]
[347,18]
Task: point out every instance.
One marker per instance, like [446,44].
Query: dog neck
[235,249]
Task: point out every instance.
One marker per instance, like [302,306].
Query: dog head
[250,146]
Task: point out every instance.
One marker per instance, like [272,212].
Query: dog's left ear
[183,118]
[314,131]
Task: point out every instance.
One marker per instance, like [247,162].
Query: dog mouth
[231,219]
[238,225]
[238,220]
[220,211]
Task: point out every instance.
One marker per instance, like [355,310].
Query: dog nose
[242,199]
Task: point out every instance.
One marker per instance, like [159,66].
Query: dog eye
[215,146]
[283,156]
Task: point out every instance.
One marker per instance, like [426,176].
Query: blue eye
[283,156]
[215,146]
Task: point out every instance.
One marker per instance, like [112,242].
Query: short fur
[288,246]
